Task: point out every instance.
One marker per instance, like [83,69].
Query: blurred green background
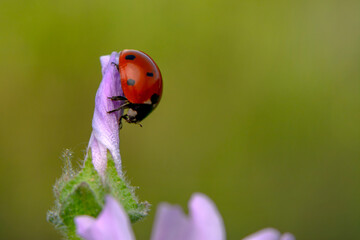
[260,110]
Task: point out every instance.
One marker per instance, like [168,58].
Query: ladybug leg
[120,122]
[118,98]
[119,108]
[117,65]
[126,117]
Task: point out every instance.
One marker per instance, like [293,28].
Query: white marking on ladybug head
[147,101]
[131,113]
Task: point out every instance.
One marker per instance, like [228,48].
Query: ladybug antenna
[116,65]
[118,98]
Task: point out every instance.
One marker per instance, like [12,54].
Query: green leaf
[83,193]
[82,201]
[125,193]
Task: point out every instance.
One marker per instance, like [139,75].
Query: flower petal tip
[206,218]
[287,236]
[264,234]
[270,234]
[104,60]
[83,225]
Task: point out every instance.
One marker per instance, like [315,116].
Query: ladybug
[141,83]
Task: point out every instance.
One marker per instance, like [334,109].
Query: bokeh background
[260,110]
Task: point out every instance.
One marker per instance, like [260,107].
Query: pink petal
[112,224]
[84,225]
[203,223]
[99,155]
[205,218]
[104,60]
[171,223]
[265,234]
[287,236]
[105,135]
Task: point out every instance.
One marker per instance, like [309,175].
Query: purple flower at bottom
[204,222]
[105,134]
[112,223]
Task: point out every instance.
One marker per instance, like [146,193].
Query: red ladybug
[141,83]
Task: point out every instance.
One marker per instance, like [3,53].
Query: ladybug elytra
[141,83]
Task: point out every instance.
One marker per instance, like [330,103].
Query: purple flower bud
[105,134]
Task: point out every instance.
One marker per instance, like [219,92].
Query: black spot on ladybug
[154,98]
[149,74]
[130,82]
[130,57]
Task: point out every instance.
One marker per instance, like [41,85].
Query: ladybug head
[137,112]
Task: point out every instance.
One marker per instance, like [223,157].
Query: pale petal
[98,155]
[205,218]
[287,236]
[112,224]
[104,60]
[84,225]
[203,223]
[105,133]
[265,234]
[171,223]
